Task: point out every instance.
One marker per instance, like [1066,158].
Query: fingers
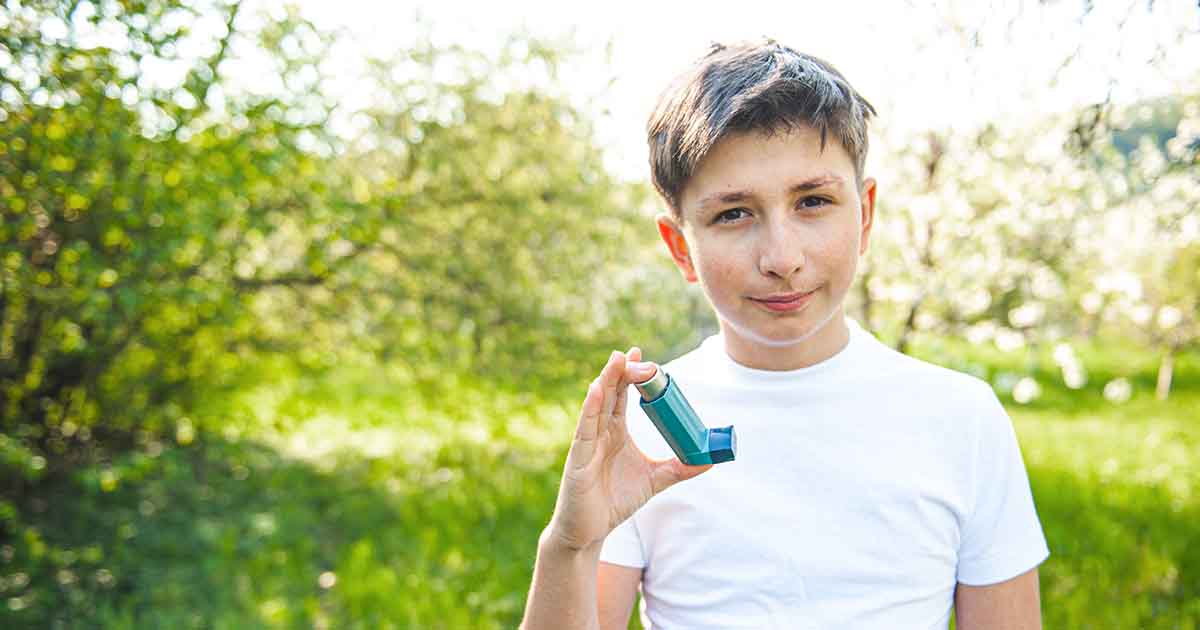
[618,418]
[637,371]
[605,402]
[594,414]
[611,381]
[630,375]
[588,429]
[669,472]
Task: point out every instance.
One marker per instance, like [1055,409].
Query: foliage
[1040,233]
[129,206]
[162,234]
[269,360]
[492,240]
[1024,221]
[374,507]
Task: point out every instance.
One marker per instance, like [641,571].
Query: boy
[870,490]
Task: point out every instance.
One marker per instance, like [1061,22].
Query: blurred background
[298,301]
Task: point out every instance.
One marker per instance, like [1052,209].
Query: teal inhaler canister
[693,443]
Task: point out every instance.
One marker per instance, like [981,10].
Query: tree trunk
[1166,370]
[867,303]
[910,324]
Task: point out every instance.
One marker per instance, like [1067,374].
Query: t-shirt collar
[713,349]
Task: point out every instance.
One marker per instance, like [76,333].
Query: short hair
[765,87]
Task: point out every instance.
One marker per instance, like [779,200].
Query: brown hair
[764,87]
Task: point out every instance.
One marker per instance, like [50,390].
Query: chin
[780,338]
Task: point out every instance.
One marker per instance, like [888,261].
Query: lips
[784,301]
[782,297]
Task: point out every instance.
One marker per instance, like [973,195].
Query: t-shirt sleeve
[1002,537]
[623,546]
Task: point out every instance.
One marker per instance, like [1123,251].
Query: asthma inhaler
[693,443]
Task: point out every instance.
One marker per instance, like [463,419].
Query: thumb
[669,472]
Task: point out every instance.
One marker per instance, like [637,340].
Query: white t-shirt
[865,487]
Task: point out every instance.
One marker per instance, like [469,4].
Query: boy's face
[772,228]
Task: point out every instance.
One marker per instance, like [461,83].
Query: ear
[672,234]
[868,213]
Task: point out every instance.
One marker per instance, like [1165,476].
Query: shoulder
[928,394]
[916,372]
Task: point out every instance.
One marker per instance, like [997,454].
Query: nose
[781,250]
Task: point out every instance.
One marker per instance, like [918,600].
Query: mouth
[783,302]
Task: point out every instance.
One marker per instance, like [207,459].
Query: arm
[563,593]
[572,591]
[605,480]
[1009,605]
[616,591]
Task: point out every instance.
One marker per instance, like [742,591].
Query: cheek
[718,272]
[841,252]
[839,248]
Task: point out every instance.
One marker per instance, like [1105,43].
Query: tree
[165,227]
[1005,228]
[128,200]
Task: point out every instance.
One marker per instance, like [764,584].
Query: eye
[727,216]
[813,202]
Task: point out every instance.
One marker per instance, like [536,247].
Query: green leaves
[154,247]
[121,234]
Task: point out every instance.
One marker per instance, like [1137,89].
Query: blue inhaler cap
[692,442]
[722,444]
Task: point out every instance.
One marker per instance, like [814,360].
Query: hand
[606,477]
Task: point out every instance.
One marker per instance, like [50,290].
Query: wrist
[553,542]
[563,594]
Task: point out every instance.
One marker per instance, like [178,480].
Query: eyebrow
[736,196]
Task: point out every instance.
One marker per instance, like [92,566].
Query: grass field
[350,501]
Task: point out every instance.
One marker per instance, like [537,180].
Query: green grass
[425,517]
[421,508]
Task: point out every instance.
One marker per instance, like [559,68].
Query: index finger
[611,380]
[588,429]
[630,375]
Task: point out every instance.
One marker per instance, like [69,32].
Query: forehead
[766,164]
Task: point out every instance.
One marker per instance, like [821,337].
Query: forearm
[1010,605]
[563,594]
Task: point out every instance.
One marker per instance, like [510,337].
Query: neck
[826,340]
